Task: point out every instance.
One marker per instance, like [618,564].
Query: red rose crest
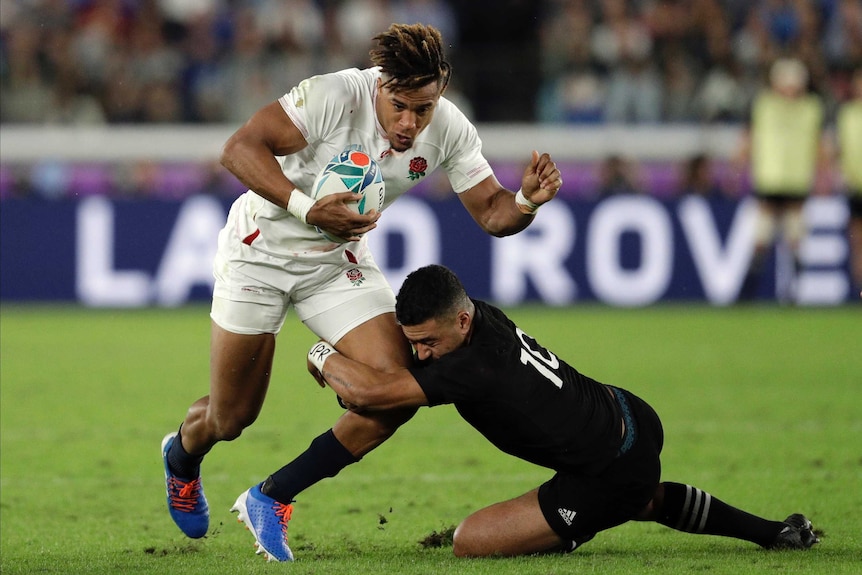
[418,165]
[355,276]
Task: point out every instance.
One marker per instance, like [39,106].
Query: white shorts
[331,298]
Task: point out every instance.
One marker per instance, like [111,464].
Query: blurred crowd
[560,61]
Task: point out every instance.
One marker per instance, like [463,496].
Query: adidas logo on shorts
[567,514]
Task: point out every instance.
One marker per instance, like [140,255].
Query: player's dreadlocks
[411,56]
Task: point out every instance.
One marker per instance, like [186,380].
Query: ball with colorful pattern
[351,171]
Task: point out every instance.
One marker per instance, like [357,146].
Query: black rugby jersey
[523,398]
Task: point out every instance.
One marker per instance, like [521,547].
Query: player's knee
[652,510]
[227,427]
[461,544]
[385,423]
[467,542]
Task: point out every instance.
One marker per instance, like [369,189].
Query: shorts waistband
[628,418]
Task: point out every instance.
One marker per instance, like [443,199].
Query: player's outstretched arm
[500,212]
[361,387]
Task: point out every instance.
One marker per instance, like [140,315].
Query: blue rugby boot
[267,520]
[186,500]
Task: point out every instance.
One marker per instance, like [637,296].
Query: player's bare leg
[381,344]
[266,508]
[508,528]
[240,367]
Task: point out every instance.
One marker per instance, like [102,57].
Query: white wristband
[524,205]
[299,205]
[318,354]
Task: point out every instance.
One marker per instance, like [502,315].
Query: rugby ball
[351,171]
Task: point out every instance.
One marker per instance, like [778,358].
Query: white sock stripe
[683,511]
[705,513]
[693,511]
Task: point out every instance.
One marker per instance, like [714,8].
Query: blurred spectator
[200,79]
[25,92]
[622,43]
[752,45]
[842,35]
[573,89]
[299,30]
[73,101]
[849,132]
[437,13]
[250,69]
[618,176]
[620,36]
[357,22]
[782,20]
[183,13]
[574,97]
[784,146]
[161,103]
[698,178]
[680,82]
[723,96]
[634,93]
[645,61]
[669,23]
[565,32]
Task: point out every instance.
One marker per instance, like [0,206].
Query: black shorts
[855,203]
[781,200]
[578,505]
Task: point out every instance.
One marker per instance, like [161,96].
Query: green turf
[761,407]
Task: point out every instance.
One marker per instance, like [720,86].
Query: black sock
[751,283]
[181,463]
[692,510]
[325,457]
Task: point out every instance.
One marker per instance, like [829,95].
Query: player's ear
[464,320]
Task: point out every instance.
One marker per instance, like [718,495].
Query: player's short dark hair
[427,293]
[411,56]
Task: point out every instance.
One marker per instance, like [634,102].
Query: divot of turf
[442,538]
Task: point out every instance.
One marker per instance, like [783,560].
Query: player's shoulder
[350,83]
[493,328]
[448,112]
[356,78]
[450,128]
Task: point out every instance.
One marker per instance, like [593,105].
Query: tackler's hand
[315,373]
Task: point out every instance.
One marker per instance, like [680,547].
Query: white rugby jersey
[335,111]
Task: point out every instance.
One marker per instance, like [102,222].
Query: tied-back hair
[411,56]
[430,292]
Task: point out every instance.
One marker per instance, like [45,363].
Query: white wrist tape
[299,205]
[318,354]
[525,205]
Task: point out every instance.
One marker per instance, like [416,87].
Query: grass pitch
[761,407]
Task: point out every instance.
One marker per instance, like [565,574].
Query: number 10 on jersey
[534,354]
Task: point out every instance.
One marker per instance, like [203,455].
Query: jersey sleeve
[317,104]
[465,165]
